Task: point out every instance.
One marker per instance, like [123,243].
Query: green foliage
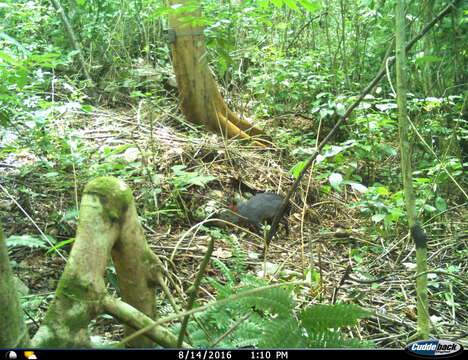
[447,288]
[112,162]
[368,161]
[293,4]
[28,241]
[287,84]
[182,180]
[283,56]
[180,183]
[269,319]
[322,317]
[26,61]
[60,245]
[35,305]
[379,204]
[239,259]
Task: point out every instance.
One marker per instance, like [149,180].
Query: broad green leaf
[440,204]
[382,190]
[358,187]
[7,58]
[429,208]
[386,106]
[378,217]
[296,169]
[277,3]
[310,6]
[427,59]
[291,4]
[60,244]
[335,181]
[27,241]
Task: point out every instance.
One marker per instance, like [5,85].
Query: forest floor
[353,265]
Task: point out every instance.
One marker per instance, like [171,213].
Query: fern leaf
[223,290]
[221,266]
[335,339]
[283,333]
[27,241]
[253,281]
[319,318]
[276,301]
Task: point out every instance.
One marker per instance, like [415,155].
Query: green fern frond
[326,339]
[283,333]
[249,333]
[224,269]
[276,301]
[223,291]
[253,281]
[272,321]
[27,241]
[199,337]
[336,340]
[319,318]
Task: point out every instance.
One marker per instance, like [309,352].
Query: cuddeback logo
[434,348]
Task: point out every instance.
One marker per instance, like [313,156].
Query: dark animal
[256,211]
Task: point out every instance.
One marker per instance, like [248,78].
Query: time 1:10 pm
[266,354]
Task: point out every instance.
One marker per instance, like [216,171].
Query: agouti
[262,207]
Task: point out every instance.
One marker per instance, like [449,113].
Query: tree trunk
[201,100]
[108,225]
[13,331]
[405,153]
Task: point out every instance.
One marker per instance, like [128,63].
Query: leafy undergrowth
[181,175]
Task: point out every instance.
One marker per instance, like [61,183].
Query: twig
[193,290]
